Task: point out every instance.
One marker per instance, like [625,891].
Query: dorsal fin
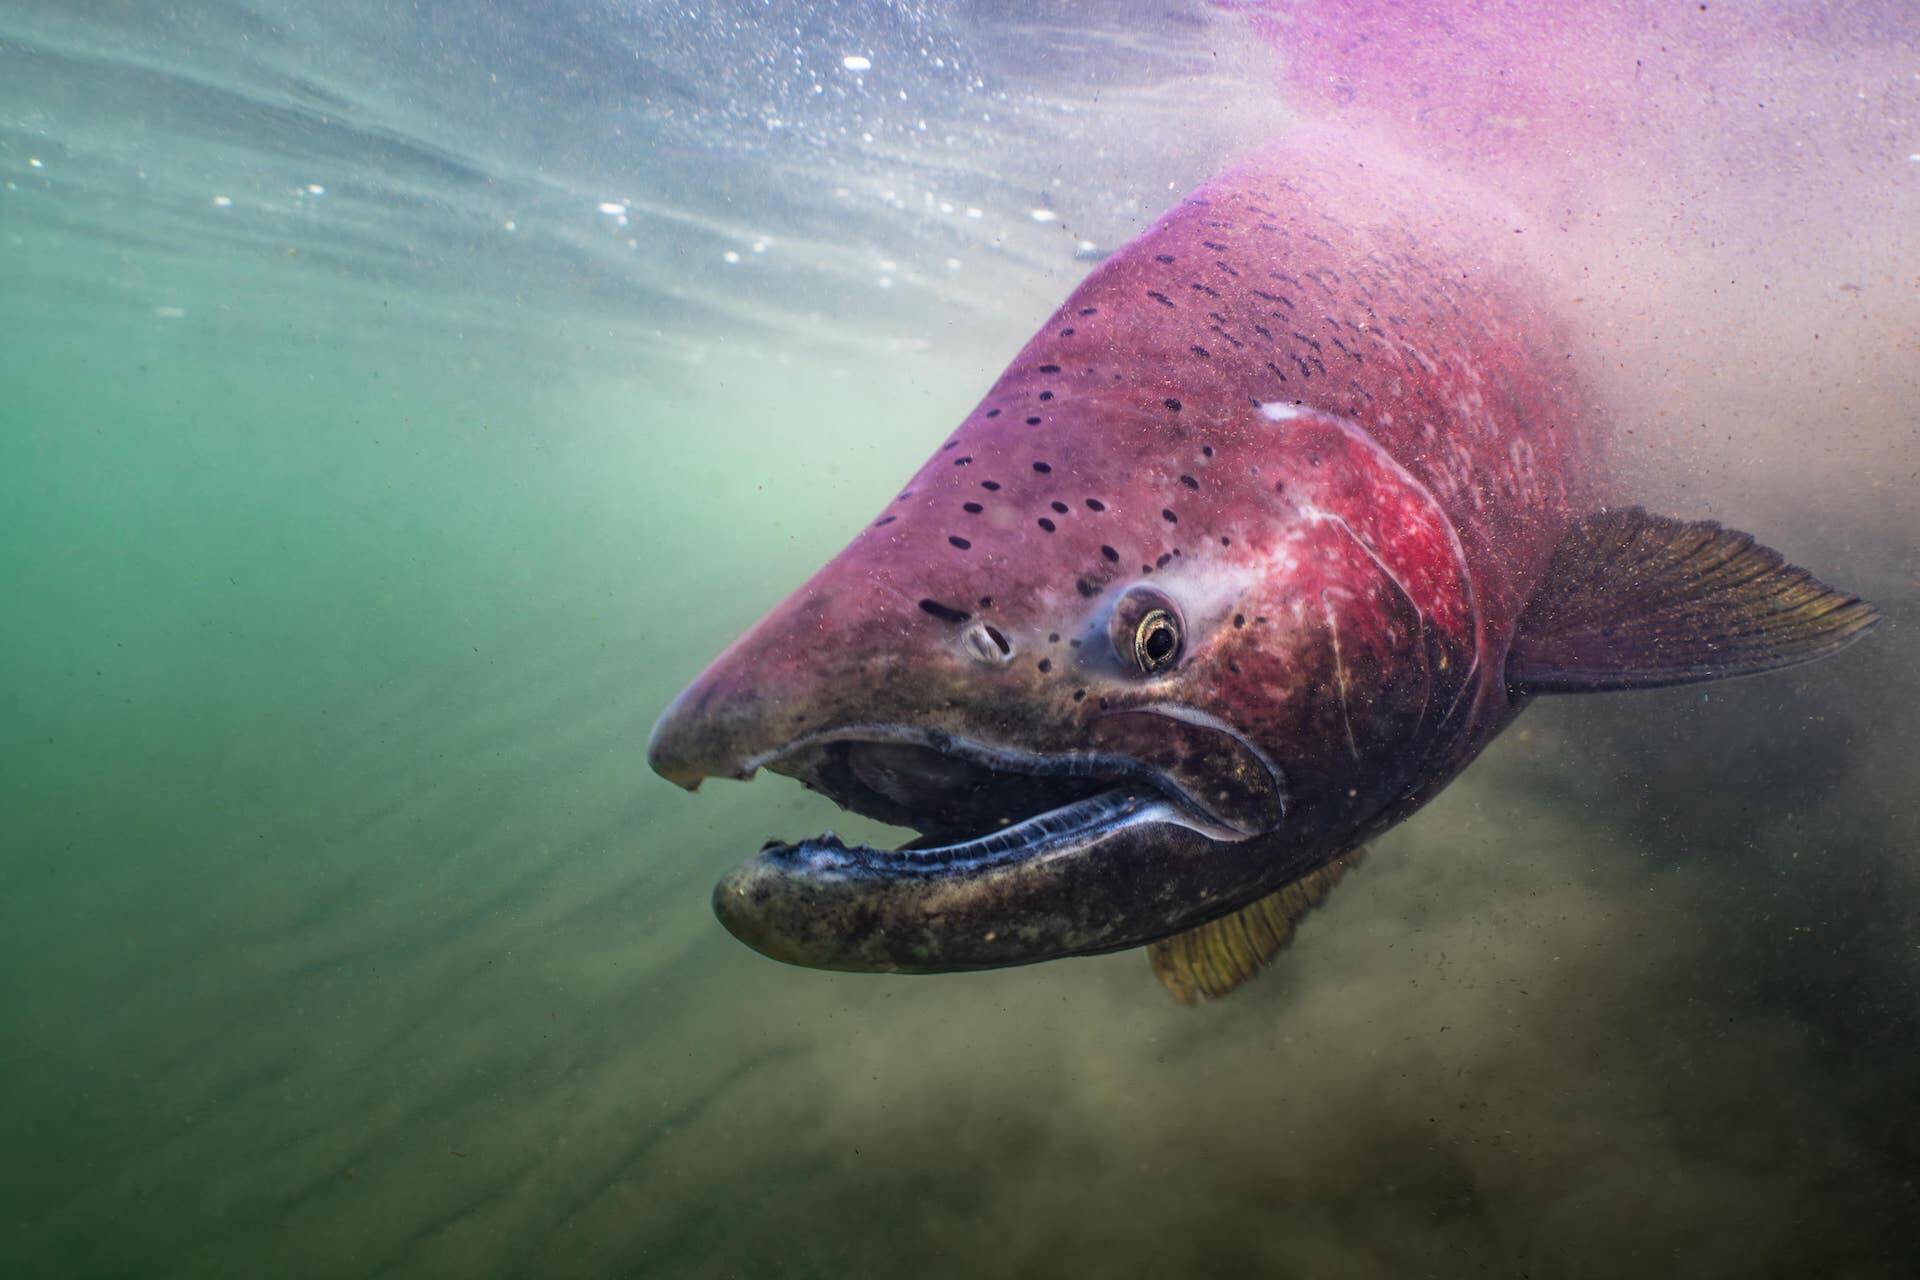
[1207,962]
[1636,601]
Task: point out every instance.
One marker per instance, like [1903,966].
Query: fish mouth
[1020,858]
[954,791]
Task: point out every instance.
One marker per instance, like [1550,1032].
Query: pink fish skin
[1323,416]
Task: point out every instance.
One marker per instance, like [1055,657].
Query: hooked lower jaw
[1109,855]
[974,903]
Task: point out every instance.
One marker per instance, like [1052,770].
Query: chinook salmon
[1278,520]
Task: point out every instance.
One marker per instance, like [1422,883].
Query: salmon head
[1131,649]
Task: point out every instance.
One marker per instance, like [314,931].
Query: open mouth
[1020,858]
[972,805]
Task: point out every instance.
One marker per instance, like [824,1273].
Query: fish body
[1224,574]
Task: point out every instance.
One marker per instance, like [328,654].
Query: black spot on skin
[1045,665]
[1281,487]
[1172,404]
[1087,311]
[1075,644]
[964,460]
[986,602]
[1159,297]
[1190,482]
[1094,504]
[1166,513]
[959,541]
[1000,641]
[903,497]
[991,486]
[972,508]
[1049,368]
[1086,588]
[1033,422]
[1162,562]
[1215,246]
[1146,568]
[993,413]
[884,520]
[1046,395]
[1225,541]
[1079,695]
[946,613]
[1042,468]
[1103,704]
[1163,257]
[1207,449]
[1239,620]
[1046,524]
[1058,506]
[951,444]
[1053,637]
[1067,332]
[1110,554]
[1201,351]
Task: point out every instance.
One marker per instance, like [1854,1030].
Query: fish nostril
[985,643]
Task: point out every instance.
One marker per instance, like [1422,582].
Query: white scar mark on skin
[1340,673]
[1359,435]
[1419,614]
[1280,411]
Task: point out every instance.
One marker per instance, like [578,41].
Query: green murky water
[349,546]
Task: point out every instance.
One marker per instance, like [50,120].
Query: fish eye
[1156,642]
[1146,630]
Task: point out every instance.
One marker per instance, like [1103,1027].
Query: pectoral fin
[1636,601]
[1206,963]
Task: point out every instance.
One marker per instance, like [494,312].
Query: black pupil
[1160,642]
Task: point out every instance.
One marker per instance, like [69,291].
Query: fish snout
[709,731]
